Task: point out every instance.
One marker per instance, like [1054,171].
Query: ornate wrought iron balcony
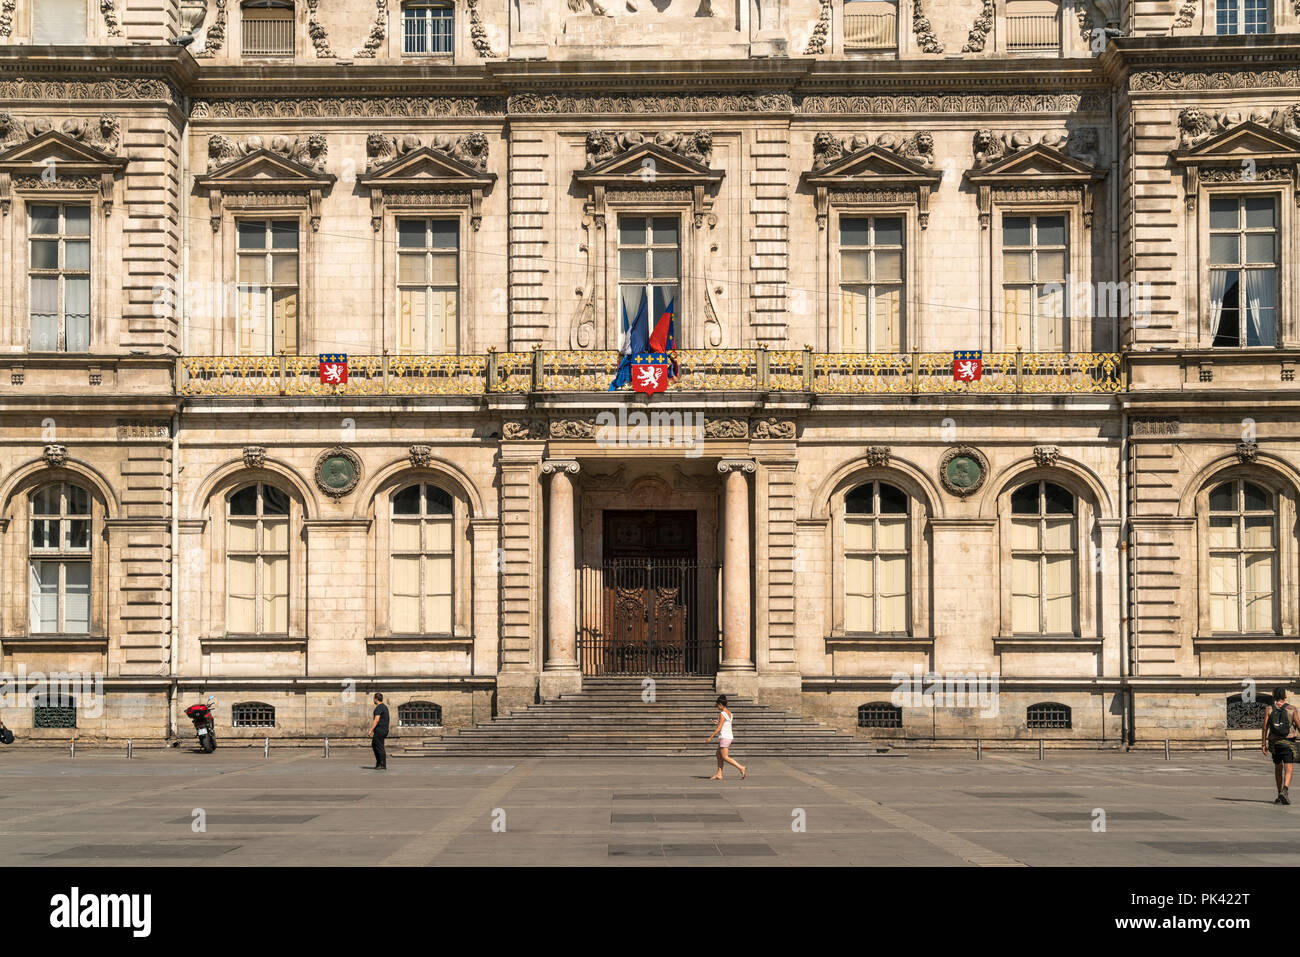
[701,370]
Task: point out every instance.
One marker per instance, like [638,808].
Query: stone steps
[610,718]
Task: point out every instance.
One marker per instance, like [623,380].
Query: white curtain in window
[1261,304]
[1218,285]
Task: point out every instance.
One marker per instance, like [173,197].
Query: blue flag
[636,340]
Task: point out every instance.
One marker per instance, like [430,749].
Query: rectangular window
[267,30]
[59,271]
[427,29]
[649,268]
[267,276]
[59,21]
[1243,271]
[1233,17]
[870,25]
[1033,26]
[871,284]
[1035,254]
[428,285]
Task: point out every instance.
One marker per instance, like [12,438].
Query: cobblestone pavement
[928,808]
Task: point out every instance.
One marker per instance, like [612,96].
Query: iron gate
[648,616]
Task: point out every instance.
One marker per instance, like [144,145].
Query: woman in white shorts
[725,737]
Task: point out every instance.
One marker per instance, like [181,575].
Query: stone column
[736,671]
[560,673]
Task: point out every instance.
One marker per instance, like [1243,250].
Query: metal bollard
[128,748]
[327,747]
[1230,749]
[1166,749]
[1040,749]
[72,747]
[266,748]
[979,749]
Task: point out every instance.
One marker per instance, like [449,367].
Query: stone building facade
[205,203]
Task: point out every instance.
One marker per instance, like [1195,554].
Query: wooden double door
[640,605]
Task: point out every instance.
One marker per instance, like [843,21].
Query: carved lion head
[316,144]
[1193,120]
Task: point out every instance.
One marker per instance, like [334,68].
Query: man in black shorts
[1280,722]
[378,732]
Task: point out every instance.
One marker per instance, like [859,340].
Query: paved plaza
[925,808]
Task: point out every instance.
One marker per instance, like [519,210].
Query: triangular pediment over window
[427,172]
[650,169]
[649,163]
[1037,163]
[1247,153]
[430,168]
[872,166]
[53,160]
[1247,140]
[873,174]
[1037,172]
[264,169]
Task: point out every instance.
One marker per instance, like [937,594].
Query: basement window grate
[1048,717]
[880,714]
[419,714]
[252,714]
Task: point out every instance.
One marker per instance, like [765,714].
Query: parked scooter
[201,715]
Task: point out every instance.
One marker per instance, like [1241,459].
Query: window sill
[440,641]
[56,638]
[259,641]
[1073,641]
[873,638]
[1253,641]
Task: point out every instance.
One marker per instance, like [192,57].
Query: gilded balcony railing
[700,370]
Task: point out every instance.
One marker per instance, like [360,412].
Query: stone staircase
[609,718]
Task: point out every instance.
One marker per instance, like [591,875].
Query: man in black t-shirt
[378,732]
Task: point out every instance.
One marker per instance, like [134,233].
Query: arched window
[876,559]
[880,714]
[1243,559]
[267,28]
[870,25]
[1048,716]
[419,714]
[427,28]
[59,559]
[421,551]
[257,561]
[1043,544]
[1247,715]
[252,714]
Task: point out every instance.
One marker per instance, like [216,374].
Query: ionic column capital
[736,465]
[553,466]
